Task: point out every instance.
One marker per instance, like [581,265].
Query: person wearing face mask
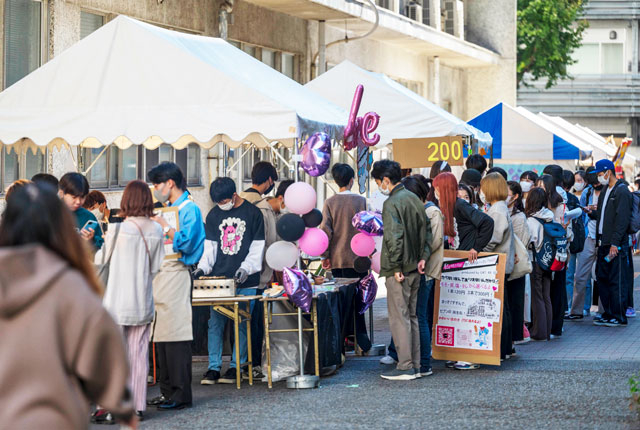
[465,193]
[472,178]
[234,248]
[96,203]
[337,213]
[581,300]
[527,181]
[263,179]
[172,329]
[580,182]
[73,189]
[613,216]
[406,247]
[577,226]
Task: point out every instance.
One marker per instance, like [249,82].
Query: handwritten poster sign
[170,214]
[468,308]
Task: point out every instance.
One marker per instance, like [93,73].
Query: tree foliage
[549,31]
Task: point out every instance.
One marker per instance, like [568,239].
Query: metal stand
[302,380]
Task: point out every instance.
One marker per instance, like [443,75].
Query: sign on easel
[468,308]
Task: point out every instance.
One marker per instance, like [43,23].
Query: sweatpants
[558,301]
[541,315]
[402,299]
[137,340]
[586,259]
[174,373]
[516,307]
[613,283]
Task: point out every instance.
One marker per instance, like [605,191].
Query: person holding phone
[73,189]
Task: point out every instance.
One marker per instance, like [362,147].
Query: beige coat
[433,269]
[502,238]
[59,348]
[270,237]
[172,297]
[520,227]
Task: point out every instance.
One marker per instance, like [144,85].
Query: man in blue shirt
[172,289]
[73,189]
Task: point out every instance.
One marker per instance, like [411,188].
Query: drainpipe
[223,18]
[436,81]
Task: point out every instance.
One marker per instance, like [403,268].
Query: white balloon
[300,198]
[282,254]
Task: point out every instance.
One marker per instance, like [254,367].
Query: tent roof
[519,134]
[403,113]
[134,83]
[601,149]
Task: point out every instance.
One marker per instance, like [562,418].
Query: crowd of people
[53,296]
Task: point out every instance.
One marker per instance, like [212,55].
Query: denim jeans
[571,271]
[217,322]
[424,310]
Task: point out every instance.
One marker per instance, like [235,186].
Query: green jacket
[407,233]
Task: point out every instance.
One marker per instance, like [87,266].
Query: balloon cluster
[301,226]
[298,288]
[369,224]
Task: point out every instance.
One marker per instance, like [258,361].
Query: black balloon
[313,218]
[362,264]
[290,227]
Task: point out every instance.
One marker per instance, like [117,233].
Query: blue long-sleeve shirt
[589,224]
[189,240]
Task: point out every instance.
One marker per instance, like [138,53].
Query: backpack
[579,236]
[634,221]
[552,256]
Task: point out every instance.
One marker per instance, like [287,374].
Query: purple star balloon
[368,222]
[316,154]
[298,288]
[367,290]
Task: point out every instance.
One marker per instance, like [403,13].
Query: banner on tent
[468,308]
[424,152]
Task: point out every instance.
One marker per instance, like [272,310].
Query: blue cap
[603,166]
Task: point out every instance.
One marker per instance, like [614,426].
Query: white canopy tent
[134,83]
[403,113]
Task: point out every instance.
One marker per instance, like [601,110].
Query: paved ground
[579,381]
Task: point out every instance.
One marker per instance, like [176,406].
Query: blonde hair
[494,187]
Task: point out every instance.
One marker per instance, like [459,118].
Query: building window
[283,62]
[89,22]
[598,59]
[18,163]
[22,39]
[117,167]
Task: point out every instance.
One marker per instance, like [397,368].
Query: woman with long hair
[528,180]
[558,206]
[137,250]
[51,302]
[519,285]
[537,213]
[495,191]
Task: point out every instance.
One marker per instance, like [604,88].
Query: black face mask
[268,190]
[598,187]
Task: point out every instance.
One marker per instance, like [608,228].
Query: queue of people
[582,217]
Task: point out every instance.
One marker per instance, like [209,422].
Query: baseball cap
[603,166]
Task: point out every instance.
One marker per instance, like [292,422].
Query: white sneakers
[387,359]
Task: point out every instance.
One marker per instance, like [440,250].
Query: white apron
[172,297]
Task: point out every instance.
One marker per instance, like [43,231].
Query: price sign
[423,152]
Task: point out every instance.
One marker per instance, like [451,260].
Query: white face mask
[437,194]
[603,180]
[384,191]
[283,210]
[227,206]
[579,186]
[509,200]
[99,215]
[526,186]
[482,197]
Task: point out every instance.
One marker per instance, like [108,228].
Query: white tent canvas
[520,135]
[134,83]
[601,148]
[403,113]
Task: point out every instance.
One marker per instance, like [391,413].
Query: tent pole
[96,160]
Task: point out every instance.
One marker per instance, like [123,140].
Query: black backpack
[577,224]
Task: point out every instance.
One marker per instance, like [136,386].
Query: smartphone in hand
[90,225]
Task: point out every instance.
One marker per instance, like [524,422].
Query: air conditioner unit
[414,11]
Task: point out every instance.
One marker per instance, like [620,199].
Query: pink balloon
[363,245]
[375,262]
[370,122]
[352,129]
[300,198]
[314,241]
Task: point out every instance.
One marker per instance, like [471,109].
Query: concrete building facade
[458,54]
[604,93]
